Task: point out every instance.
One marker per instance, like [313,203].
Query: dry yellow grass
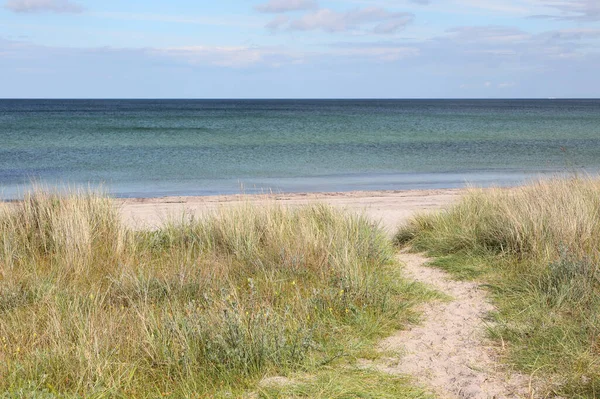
[539,220]
[202,306]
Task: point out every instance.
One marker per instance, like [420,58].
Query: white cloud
[375,19]
[34,6]
[392,26]
[278,6]
[242,57]
[508,50]
[512,7]
[233,56]
[488,34]
[380,53]
[563,10]
[222,56]
[278,22]
[506,85]
[232,20]
[573,10]
[324,19]
[488,85]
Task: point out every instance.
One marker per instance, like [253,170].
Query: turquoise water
[191,147]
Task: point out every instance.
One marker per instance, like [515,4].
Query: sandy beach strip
[391,208]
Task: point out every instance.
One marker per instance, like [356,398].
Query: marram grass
[199,308]
[538,248]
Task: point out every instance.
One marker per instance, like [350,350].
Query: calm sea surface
[192,147]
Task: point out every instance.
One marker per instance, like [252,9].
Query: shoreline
[390,207]
[297,186]
[285,196]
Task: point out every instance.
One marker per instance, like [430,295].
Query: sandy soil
[389,207]
[448,353]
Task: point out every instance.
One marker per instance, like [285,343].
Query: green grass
[537,248]
[202,307]
[461,267]
[349,383]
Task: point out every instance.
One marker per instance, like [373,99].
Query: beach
[217,242]
[391,208]
[183,282]
[284,199]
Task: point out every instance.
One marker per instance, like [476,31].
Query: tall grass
[539,247]
[196,308]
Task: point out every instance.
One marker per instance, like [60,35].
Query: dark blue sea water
[193,147]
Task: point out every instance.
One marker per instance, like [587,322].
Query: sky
[299,49]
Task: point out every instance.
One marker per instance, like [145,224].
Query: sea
[155,148]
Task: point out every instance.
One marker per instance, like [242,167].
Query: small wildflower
[294,282]
[341,292]
[92,297]
[347,311]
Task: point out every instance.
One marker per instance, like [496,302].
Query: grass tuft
[349,383]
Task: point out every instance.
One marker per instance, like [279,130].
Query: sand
[391,208]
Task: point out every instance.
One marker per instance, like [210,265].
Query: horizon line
[298,98]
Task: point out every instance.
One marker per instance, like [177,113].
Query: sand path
[448,353]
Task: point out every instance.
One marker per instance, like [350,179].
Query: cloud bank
[574,10]
[374,19]
[279,6]
[37,6]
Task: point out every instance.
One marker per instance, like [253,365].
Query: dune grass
[538,249]
[201,307]
[347,383]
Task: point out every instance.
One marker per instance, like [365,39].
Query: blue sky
[299,48]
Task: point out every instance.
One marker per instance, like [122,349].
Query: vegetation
[197,308]
[538,248]
[347,383]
